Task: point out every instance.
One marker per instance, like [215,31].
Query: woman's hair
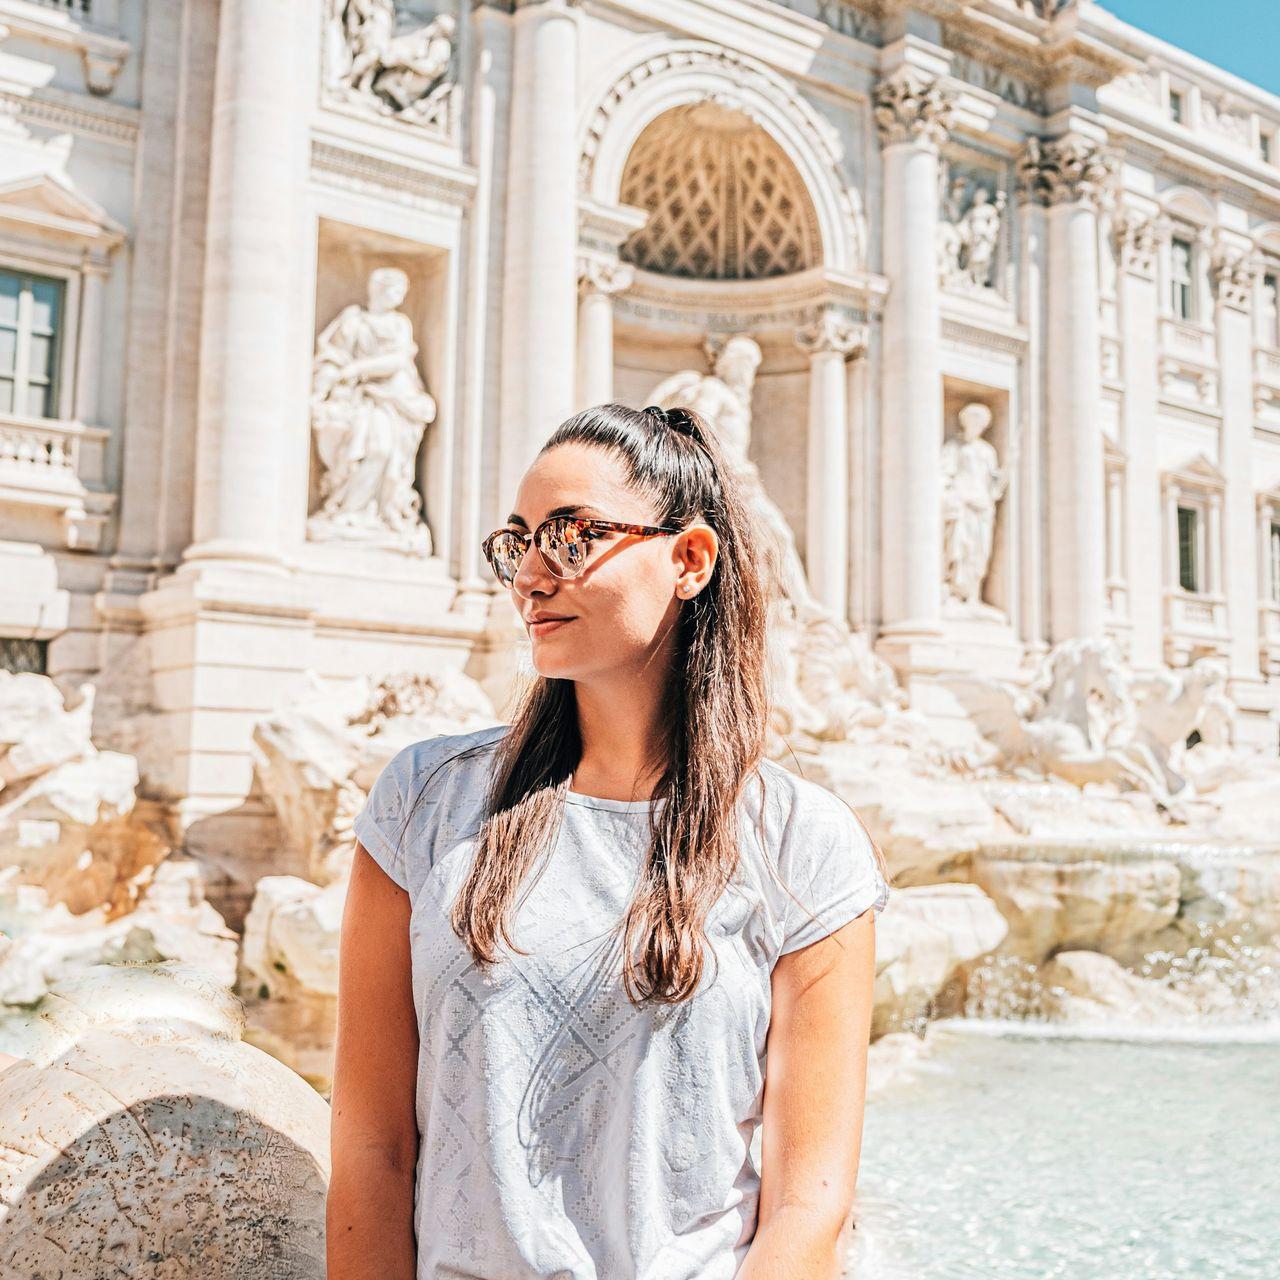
[716,708]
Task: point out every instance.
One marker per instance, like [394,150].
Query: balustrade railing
[78,8]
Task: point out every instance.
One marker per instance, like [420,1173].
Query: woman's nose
[532,574]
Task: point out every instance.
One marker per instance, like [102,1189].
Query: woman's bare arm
[374,1134]
[815,1089]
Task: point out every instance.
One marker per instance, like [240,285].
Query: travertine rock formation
[142,1138]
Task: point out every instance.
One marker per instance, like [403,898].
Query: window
[1265,147]
[1275,562]
[1270,312]
[30,319]
[1180,277]
[21,656]
[1176,106]
[1188,548]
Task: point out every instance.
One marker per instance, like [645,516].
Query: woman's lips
[550,625]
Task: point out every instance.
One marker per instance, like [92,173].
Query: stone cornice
[781,302]
[73,113]
[359,171]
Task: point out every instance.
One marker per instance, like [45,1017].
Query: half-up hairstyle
[716,709]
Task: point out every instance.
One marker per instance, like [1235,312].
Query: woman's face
[622,607]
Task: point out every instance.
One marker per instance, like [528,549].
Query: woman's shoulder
[417,763]
[792,798]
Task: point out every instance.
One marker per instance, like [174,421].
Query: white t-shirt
[565,1133]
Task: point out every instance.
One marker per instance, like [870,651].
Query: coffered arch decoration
[723,198]
[790,137]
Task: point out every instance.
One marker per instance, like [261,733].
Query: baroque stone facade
[293,292]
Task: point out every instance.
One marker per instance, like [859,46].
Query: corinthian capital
[604,275]
[1232,273]
[1065,170]
[1136,236]
[911,106]
[832,331]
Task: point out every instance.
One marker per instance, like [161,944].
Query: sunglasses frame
[586,525]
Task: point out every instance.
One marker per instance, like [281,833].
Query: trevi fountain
[1016,508]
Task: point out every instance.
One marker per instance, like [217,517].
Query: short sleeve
[379,825]
[829,863]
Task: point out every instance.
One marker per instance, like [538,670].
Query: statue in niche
[968,234]
[973,482]
[827,684]
[369,410]
[723,398]
[400,74]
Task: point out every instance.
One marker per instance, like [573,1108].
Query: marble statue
[369,410]
[826,683]
[973,482]
[1087,718]
[968,235]
[723,398]
[980,232]
[401,74]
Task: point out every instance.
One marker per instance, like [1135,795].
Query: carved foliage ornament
[1137,241]
[1232,273]
[1065,170]
[912,107]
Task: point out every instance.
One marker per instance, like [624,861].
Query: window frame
[24,334]
[55,266]
[1188,238]
[1195,544]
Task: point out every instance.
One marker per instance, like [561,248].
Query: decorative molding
[971,65]
[56,109]
[419,188]
[911,106]
[102,54]
[1067,169]
[964,334]
[841,16]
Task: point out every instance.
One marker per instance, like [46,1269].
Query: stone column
[1115,542]
[539,280]
[912,115]
[1069,174]
[251,417]
[1231,276]
[1265,514]
[1213,546]
[829,341]
[89,355]
[1137,238]
[598,281]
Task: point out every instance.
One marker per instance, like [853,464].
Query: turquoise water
[1030,1158]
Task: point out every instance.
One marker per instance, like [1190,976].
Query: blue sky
[1242,36]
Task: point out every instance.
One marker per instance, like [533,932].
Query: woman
[570,943]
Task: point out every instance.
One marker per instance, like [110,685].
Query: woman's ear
[697,549]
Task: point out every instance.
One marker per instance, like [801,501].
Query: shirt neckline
[618,806]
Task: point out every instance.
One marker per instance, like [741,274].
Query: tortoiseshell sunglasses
[562,542]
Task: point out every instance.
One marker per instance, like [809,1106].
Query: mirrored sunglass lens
[505,553]
[566,542]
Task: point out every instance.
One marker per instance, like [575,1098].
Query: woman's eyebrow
[572,509]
